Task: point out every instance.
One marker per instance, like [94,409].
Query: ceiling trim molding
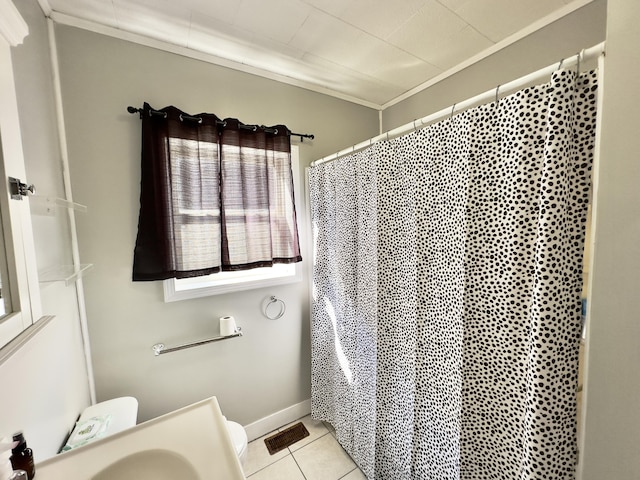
[12,26]
[45,6]
[534,27]
[71,21]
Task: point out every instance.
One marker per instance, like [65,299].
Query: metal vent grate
[285,438]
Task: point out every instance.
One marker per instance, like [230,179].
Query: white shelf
[63,273]
[46,205]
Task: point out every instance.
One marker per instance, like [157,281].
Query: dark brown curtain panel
[216,195]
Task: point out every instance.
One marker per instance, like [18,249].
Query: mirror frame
[21,265]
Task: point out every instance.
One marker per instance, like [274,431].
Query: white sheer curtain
[447,279]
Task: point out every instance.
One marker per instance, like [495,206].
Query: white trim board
[276,420]
[13,28]
[45,6]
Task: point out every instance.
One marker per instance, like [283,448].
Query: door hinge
[19,189]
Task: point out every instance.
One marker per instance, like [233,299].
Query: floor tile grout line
[298,465]
[281,459]
[285,456]
[266,466]
[292,452]
[349,472]
[269,464]
[306,444]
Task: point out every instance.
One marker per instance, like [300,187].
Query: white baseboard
[276,420]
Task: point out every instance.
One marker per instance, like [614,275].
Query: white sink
[189,443]
[149,465]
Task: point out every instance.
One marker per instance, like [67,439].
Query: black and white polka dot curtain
[446,313]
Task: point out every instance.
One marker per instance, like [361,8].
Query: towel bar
[159,348]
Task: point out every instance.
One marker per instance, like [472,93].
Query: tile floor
[316,457]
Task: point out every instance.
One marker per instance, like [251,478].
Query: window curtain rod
[221,123]
[493,94]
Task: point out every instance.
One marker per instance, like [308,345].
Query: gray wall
[561,39]
[44,384]
[612,443]
[268,369]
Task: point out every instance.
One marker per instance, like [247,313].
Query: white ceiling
[371,51]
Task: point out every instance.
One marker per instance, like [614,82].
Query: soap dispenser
[6,470]
[22,456]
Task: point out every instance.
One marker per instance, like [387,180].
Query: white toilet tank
[103,419]
[124,412]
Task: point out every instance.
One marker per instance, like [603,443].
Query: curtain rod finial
[133,110]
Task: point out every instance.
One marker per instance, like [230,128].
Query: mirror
[15,312]
[5,297]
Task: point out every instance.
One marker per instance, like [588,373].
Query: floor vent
[286,438]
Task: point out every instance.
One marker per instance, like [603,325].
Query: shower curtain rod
[584,55]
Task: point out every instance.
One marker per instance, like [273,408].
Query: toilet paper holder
[159,348]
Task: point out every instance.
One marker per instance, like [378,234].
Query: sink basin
[149,465]
[191,442]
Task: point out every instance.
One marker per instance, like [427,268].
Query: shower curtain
[446,312]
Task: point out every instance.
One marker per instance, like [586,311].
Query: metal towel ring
[283,308]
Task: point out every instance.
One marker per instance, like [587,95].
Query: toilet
[101,420]
[123,410]
[122,413]
[238,438]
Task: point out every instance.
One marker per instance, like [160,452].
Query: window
[216,195]
[227,282]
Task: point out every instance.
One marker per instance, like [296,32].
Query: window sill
[173,292]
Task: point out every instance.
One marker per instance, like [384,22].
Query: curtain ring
[415,129]
[453,109]
[560,65]
[387,136]
[155,112]
[283,308]
[182,118]
[497,93]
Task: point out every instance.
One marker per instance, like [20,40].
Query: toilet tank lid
[123,411]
